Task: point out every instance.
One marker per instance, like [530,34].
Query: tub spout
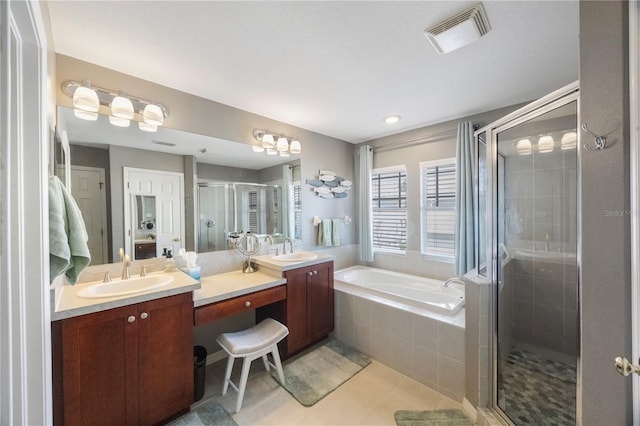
[452,280]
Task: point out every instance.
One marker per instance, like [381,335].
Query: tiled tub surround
[426,346]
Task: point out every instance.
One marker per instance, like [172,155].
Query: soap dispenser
[170,264]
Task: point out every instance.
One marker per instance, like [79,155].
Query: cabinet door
[99,368]
[320,301]
[165,357]
[297,309]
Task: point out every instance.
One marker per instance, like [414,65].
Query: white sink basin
[125,287]
[295,257]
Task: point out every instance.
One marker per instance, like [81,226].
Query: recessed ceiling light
[390,119]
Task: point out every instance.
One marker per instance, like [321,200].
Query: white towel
[68,250]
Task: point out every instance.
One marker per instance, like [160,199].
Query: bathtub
[419,292]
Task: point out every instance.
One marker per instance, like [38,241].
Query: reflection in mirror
[146,212]
[99,145]
[226,210]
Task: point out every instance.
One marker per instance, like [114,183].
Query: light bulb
[86,99]
[152,114]
[122,107]
[283,144]
[523,147]
[569,140]
[85,115]
[545,144]
[120,122]
[295,147]
[267,141]
[146,127]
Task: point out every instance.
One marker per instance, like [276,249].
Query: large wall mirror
[228,188]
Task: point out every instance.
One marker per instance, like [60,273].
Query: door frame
[26,395]
[634,175]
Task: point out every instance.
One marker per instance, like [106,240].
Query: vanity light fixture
[545,144]
[85,98]
[146,127]
[283,144]
[294,147]
[119,121]
[265,141]
[523,147]
[569,141]
[121,108]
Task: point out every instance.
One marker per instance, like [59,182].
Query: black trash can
[199,370]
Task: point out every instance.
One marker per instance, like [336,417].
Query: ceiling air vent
[459,30]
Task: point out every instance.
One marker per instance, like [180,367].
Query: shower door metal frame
[556,99]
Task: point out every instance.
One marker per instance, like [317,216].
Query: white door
[168,189]
[88,189]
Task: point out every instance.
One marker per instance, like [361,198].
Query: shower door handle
[625,368]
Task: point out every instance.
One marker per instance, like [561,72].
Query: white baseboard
[216,356]
[469,410]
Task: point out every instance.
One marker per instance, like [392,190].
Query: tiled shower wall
[425,349]
[544,303]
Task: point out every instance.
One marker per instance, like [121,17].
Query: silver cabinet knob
[247,303]
[310,273]
[131,318]
[315,272]
[144,315]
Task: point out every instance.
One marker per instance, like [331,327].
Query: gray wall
[605,272]
[226,174]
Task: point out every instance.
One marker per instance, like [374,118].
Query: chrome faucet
[452,280]
[284,245]
[126,261]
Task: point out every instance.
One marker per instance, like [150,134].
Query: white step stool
[251,344]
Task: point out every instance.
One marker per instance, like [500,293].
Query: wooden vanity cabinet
[131,365]
[309,308]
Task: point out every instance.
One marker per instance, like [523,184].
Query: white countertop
[267,261]
[233,284]
[68,304]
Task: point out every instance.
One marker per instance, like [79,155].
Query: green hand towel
[324,232]
[336,225]
[68,250]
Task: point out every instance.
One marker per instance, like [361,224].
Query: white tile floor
[369,398]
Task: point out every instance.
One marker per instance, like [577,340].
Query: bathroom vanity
[123,360]
[129,359]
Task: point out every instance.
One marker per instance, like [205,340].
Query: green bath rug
[432,418]
[210,413]
[318,373]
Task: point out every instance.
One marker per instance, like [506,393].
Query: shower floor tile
[536,390]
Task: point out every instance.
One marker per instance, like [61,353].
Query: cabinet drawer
[225,308]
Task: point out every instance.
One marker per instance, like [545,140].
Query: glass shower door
[536,234]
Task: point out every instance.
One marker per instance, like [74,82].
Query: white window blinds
[438,207]
[389,205]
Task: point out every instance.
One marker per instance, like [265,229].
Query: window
[389,203]
[438,207]
[297,209]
